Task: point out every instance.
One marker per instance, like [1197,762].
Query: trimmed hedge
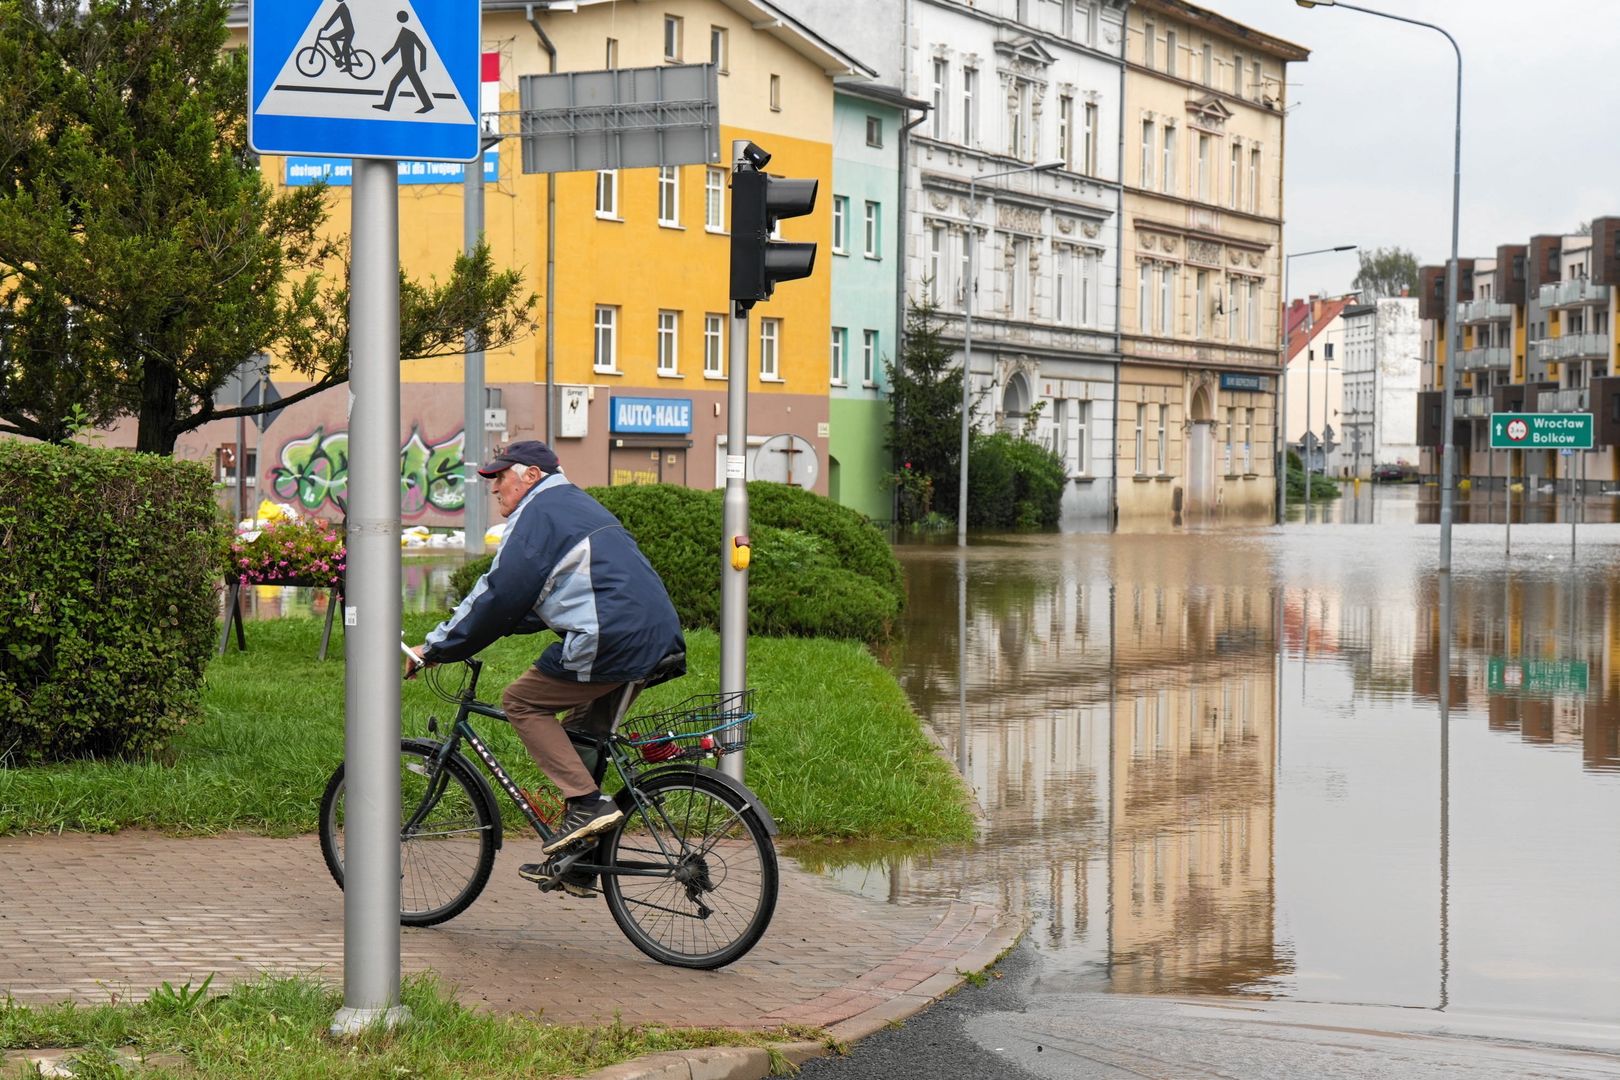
[110,563]
[819,569]
[1013,483]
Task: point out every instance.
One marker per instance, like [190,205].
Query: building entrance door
[1201,467]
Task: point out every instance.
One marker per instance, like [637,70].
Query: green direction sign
[1541,431]
[1517,674]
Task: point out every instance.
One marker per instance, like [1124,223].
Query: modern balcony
[1495,358]
[1572,347]
[1563,401]
[1483,311]
[1471,408]
[1570,294]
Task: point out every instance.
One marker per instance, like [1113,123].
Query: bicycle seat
[670,667]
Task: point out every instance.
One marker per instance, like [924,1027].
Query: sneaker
[582,820]
[575,883]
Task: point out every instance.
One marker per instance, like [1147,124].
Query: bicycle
[690,873]
[311,60]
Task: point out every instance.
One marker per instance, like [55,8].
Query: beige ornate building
[1201,261]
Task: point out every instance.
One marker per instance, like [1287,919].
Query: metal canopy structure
[627,118]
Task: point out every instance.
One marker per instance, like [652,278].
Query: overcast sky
[1372,116]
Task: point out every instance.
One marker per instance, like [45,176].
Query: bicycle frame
[462,730]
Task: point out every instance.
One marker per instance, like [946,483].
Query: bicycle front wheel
[446,838]
[692,875]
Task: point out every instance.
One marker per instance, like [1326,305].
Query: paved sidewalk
[89,917]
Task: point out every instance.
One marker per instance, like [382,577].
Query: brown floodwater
[1242,761]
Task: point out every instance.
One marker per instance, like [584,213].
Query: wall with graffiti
[312,473]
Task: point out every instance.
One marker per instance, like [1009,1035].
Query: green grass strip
[837,752]
[276,1029]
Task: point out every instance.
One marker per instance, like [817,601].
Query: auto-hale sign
[1541,431]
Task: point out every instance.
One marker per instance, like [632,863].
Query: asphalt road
[1029,1025]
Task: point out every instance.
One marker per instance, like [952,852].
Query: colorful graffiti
[313,471]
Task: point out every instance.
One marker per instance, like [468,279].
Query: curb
[754,1063]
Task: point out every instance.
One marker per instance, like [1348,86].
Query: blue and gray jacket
[567,564]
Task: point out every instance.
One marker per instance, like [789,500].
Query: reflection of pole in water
[1445,789]
[1113,696]
[961,662]
[1277,628]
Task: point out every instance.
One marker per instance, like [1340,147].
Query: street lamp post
[969,288]
[1448,450]
[1282,379]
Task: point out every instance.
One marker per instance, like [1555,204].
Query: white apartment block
[1383,349]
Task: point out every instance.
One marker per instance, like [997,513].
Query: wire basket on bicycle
[705,725]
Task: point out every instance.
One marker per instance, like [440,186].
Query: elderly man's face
[510,485]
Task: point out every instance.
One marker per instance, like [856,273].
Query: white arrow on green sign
[1541,431]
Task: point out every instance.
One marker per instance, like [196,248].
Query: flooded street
[1237,762]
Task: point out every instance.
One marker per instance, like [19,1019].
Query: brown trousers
[532,703]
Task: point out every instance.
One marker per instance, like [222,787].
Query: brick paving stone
[88,917]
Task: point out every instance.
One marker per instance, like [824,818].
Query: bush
[109,568]
[1013,483]
[819,569]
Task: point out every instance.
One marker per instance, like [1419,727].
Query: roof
[762,16]
[887,95]
[1302,330]
[1217,23]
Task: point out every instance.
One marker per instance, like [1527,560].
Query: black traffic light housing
[758,202]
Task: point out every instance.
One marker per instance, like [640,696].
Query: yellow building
[640,309]
[1201,262]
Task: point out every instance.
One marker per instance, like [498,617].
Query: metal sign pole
[372,614]
[734,579]
[1509,521]
[474,516]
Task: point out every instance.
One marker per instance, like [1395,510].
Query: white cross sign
[365,78]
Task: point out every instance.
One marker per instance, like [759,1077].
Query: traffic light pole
[734,541]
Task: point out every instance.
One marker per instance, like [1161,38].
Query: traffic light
[758,202]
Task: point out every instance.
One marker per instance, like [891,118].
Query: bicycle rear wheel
[311,61]
[693,876]
[447,834]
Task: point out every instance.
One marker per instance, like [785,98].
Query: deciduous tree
[1385,272]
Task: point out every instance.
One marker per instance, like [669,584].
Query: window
[1168,179]
[839,350]
[874,131]
[1163,442]
[1237,74]
[714,200]
[1248,440]
[718,42]
[1149,44]
[1256,81]
[1147,153]
[1062,306]
[669,195]
[1203,167]
[1201,304]
[1020,277]
[874,227]
[869,357]
[1066,130]
[1060,430]
[776,93]
[672,36]
[606,356]
[1088,303]
[968,292]
[970,83]
[941,78]
[935,283]
[1208,58]
[1170,52]
[840,238]
[1231,437]
[1254,181]
[1082,418]
[714,346]
[770,340]
[1234,178]
[1021,136]
[1088,143]
[669,336]
[1141,440]
[1167,300]
[612,58]
[1144,298]
[1253,313]
[1231,309]
[607,193]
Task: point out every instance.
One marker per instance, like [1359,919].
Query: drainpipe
[1119,282]
[551,250]
[900,275]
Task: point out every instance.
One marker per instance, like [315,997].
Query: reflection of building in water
[1543,654]
[1191,900]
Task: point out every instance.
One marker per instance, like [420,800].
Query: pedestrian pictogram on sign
[380,78]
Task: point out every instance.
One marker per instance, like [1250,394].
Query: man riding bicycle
[339,32]
[565,564]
